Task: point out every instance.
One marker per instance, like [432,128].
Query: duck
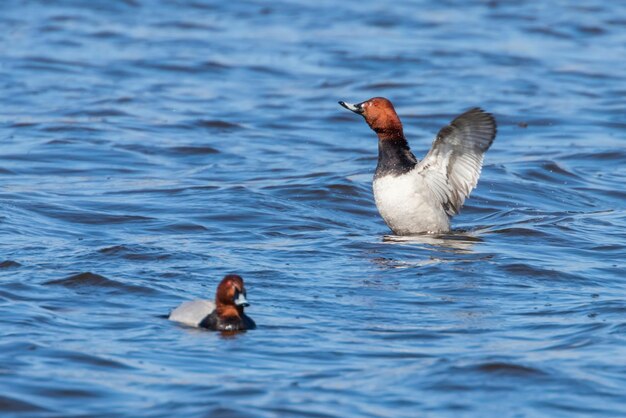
[416,197]
[225,314]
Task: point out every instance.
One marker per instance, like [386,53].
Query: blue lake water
[149,148]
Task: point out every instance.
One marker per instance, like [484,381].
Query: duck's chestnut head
[380,115]
[231,291]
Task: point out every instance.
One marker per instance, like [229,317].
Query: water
[150,148]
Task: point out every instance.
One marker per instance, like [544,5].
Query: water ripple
[150,149]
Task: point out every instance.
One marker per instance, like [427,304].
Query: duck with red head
[225,314]
[421,196]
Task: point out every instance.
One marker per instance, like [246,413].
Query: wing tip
[487,117]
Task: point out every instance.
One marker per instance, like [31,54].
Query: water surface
[148,148]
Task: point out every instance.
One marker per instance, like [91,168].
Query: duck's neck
[394,155]
[229,310]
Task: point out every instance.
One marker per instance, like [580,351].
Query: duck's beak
[356,108]
[241,300]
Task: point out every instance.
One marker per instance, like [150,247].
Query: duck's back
[192,313]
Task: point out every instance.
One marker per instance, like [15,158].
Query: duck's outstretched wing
[452,166]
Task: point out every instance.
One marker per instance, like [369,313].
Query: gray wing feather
[193,312]
[452,166]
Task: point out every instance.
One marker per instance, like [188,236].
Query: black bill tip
[356,108]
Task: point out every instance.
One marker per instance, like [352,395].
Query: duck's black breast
[394,158]
[248,322]
[228,323]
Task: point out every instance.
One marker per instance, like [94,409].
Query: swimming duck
[421,196]
[225,314]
